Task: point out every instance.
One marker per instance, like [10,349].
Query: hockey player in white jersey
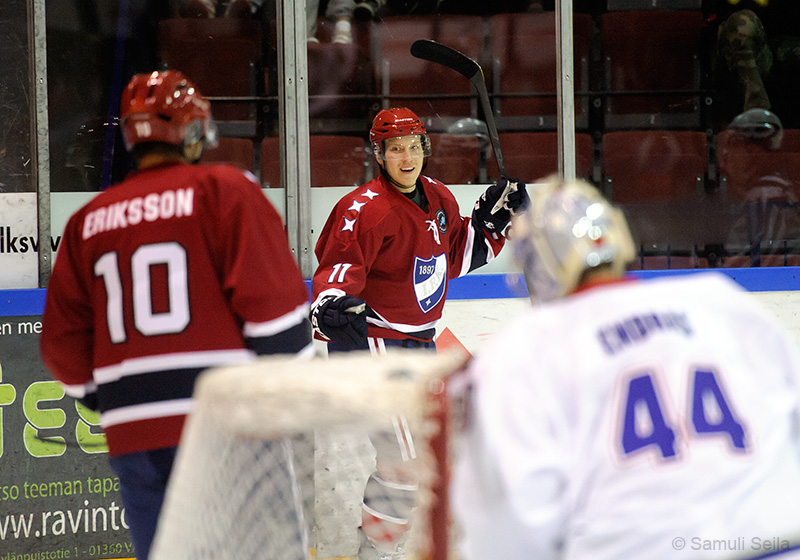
[626,419]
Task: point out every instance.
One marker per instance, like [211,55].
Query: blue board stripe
[18,303]
[15,303]
[768,279]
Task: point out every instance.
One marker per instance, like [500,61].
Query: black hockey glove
[342,319]
[515,201]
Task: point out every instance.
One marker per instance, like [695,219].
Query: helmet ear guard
[199,131]
[205,131]
[569,230]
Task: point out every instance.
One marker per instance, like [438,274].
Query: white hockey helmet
[569,229]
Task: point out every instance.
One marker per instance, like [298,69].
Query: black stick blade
[446,56]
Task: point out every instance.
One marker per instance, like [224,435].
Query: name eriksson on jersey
[154,206]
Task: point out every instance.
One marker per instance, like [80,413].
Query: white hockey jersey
[647,419]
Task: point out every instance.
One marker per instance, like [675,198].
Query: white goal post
[275,457]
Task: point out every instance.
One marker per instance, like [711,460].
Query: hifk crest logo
[430,281]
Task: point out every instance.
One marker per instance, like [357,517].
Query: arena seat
[222,56]
[436,93]
[772,260]
[270,162]
[341,81]
[642,93]
[237,152]
[654,165]
[335,161]
[612,5]
[534,155]
[667,262]
[762,183]
[750,171]
[524,62]
[455,158]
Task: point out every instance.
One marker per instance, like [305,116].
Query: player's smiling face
[403,158]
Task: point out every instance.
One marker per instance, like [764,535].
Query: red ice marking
[448,341]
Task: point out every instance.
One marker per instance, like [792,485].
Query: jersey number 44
[646,426]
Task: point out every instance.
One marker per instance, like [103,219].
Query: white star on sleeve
[370,194]
[356,206]
[348,225]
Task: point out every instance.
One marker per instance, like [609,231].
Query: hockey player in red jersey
[394,243]
[386,254]
[178,268]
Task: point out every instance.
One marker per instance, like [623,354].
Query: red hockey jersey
[177,269]
[380,246]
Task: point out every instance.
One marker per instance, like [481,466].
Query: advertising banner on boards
[58,496]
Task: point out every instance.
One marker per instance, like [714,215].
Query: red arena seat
[654,165]
[335,161]
[436,93]
[534,155]
[524,62]
[652,73]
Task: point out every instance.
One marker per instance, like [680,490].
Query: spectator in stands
[178,268]
[341,12]
[756,63]
[366,10]
[625,419]
[770,192]
[215,8]
[375,9]
[483,8]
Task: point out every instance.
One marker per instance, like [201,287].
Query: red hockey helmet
[165,107]
[396,122]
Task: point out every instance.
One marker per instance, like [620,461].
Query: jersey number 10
[146,320]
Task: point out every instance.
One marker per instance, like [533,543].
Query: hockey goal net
[276,454]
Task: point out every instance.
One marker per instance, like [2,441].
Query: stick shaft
[480,85]
[461,63]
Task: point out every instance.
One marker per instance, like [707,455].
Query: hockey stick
[471,70]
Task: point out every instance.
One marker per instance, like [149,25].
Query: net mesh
[276,455]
